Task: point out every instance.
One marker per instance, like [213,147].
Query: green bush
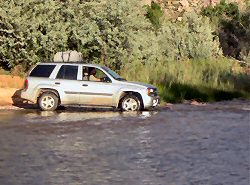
[190,38]
[154,14]
[232,27]
[223,9]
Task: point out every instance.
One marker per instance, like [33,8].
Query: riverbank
[184,89]
[10,86]
[6,96]
[10,99]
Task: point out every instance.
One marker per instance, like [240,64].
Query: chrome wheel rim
[130,104]
[47,102]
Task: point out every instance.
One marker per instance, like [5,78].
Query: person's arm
[93,78]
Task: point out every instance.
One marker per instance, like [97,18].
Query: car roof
[55,63]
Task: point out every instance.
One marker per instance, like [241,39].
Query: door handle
[85,85]
[57,83]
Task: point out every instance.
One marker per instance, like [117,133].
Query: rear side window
[42,70]
[68,72]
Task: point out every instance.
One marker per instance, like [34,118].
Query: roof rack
[68,57]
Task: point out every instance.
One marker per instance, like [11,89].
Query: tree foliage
[223,9]
[233,29]
[114,32]
[190,38]
[32,30]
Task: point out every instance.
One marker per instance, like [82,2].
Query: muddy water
[184,145]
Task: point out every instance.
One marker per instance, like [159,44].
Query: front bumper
[156,101]
[151,101]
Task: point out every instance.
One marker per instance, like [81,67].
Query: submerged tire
[130,103]
[48,101]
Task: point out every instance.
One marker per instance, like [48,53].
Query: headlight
[151,92]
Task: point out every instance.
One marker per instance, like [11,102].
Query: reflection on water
[59,117]
[35,116]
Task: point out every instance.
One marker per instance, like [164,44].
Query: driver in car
[92,76]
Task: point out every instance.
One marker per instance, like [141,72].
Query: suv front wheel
[130,103]
[48,101]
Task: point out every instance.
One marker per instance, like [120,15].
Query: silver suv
[53,84]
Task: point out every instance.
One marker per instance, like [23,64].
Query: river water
[180,145]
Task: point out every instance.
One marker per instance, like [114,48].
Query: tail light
[26,84]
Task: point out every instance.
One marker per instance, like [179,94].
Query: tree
[35,31]
[112,31]
[191,38]
[232,28]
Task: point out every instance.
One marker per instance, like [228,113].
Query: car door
[97,92]
[67,80]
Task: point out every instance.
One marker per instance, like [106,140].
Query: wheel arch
[44,90]
[125,93]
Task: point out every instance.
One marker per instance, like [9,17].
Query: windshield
[113,74]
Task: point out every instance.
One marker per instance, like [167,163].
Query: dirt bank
[9,81]
[6,95]
[10,89]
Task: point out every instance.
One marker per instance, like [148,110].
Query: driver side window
[94,74]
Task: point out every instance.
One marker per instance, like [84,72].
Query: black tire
[130,103]
[48,101]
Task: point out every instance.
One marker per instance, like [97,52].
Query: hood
[139,84]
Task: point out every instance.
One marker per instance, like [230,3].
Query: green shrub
[233,28]
[154,14]
[223,9]
[191,38]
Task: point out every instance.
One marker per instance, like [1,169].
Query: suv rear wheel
[48,101]
[130,103]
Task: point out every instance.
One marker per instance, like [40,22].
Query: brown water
[185,145]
